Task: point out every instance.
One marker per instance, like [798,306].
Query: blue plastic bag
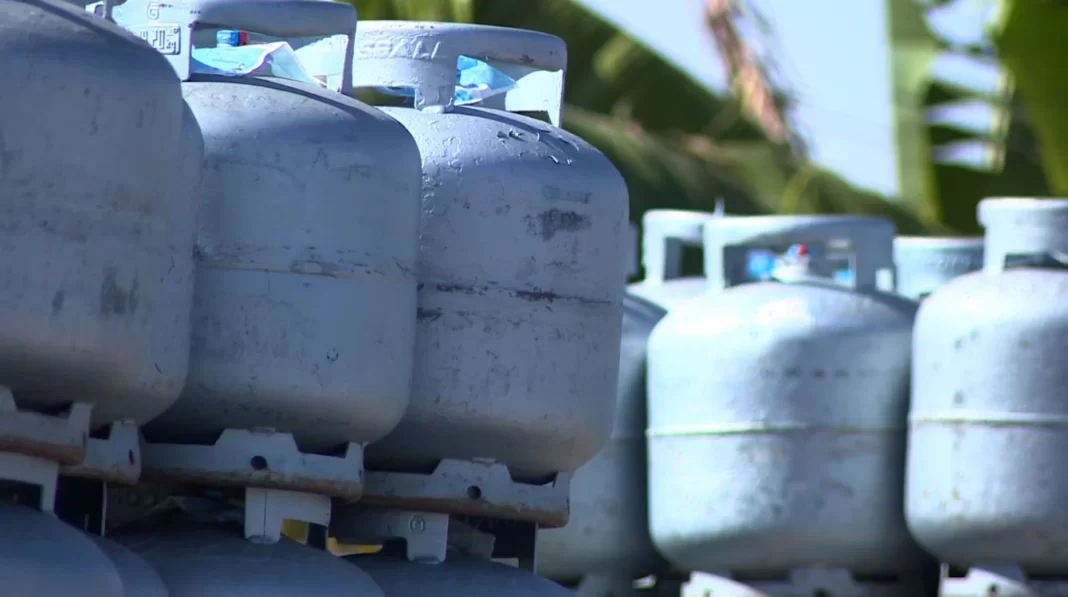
[475,81]
[274,60]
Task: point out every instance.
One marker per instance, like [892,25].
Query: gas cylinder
[199,559]
[42,556]
[925,263]
[608,529]
[523,237]
[470,577]
[95,216]
[777,411]
[665,233]
[986,426]
[138,578]
[305,282]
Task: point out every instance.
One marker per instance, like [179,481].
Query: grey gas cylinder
[41,556]
[95,215]
[608,529]
[138,578]
[777,411]
[665,233]
[925,263]
[470,577]
[196,560]
[988,412]
[305,294]
[523,251]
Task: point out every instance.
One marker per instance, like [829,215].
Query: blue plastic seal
[257,60]
[475,81]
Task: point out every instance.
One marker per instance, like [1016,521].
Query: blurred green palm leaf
[943,191]
[1031,40]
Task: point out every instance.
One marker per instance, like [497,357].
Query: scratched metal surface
[96,216]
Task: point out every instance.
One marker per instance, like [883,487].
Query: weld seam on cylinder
[764,428]
[989,418]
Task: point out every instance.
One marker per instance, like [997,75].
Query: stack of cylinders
[98,213]
[100,232]
[303,320]
[523,232]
